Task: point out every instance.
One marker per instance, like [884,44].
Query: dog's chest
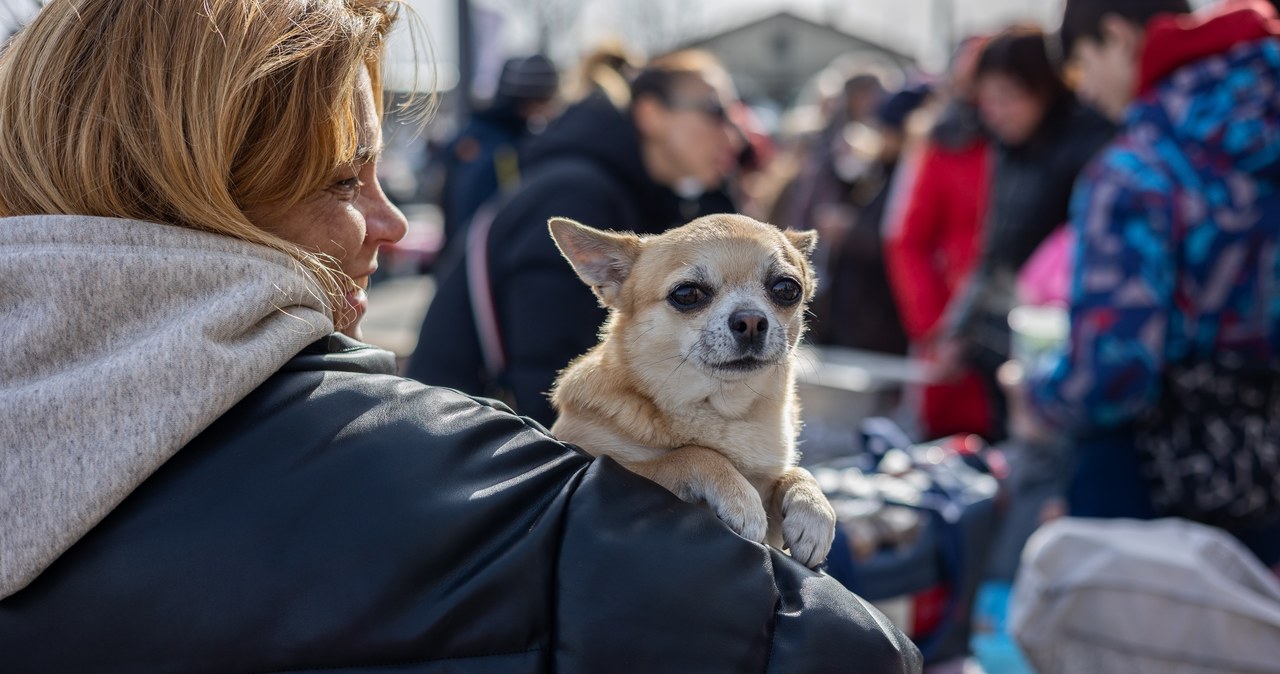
[761,444]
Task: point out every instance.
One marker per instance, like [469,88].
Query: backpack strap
[483,311]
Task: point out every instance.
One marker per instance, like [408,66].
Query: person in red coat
[934,243]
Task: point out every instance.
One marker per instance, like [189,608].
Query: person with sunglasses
[656,162]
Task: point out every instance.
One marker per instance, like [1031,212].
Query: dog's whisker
[673,372]
[807,360]
[660,360]
[758,394]
[651,328]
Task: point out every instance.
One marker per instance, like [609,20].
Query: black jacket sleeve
[651,584]
[337,520]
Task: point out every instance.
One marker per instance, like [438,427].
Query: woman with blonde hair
[201,469]
[607,69]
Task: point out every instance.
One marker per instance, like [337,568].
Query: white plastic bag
[1126,596]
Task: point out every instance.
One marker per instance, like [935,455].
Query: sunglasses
[710,107]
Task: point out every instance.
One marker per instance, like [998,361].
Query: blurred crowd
[1058,227]
[1069,240]
[929,195]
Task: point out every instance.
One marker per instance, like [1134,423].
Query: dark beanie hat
[528,77]
[898,107]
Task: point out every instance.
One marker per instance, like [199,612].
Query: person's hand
[949,363]
[1023,422]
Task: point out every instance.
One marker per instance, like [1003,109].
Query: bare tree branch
[660,25]
[554,19]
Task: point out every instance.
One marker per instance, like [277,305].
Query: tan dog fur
[656,394]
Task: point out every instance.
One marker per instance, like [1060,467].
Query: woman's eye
[348,185]
[786,291]
[687,296]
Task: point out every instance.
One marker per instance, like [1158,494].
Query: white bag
[1129,597]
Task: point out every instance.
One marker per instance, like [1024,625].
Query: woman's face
[693,135]
[1010,111]
[1108,73]
[349,218]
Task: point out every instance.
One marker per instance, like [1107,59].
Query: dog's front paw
[808,520]
[700,475]
[741,508]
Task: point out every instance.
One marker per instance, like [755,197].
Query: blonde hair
[607,69]
[661,74]
[188,113]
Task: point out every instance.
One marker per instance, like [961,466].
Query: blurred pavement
[396,308]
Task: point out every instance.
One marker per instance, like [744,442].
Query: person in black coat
[484,158]
[340,518]
[202,470]
[1045,137]
[860,310]
[656,164]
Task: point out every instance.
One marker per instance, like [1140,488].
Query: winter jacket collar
[124,340]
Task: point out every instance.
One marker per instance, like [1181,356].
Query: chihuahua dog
[691,384]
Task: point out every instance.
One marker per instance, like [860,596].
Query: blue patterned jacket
[1177,222]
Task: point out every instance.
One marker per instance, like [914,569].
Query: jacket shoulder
[368,519]
[566,187]
[371,521]
[573,187]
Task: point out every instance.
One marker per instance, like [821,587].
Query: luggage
[914,529]
[1165,596]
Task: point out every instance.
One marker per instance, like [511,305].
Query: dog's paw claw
[745,520]
[737,504]
[808,529]
[810,551]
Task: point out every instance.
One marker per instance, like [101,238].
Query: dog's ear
[602,259]
[804,241]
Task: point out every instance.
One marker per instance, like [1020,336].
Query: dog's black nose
[748,325]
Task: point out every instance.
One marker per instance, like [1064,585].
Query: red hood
[1174,40]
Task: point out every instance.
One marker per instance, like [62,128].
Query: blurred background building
[924,31]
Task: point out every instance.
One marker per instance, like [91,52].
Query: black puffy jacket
[1031,189]
[587,167]
[340,518]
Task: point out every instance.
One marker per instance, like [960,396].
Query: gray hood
[122,341]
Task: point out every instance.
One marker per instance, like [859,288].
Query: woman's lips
[358,299]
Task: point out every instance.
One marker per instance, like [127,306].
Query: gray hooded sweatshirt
[122,341]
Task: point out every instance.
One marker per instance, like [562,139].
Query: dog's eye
[786,291]
[687,296]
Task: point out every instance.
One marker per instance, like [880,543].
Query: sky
[903,24]
[910,26]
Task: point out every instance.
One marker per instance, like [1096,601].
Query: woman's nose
[384,223]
